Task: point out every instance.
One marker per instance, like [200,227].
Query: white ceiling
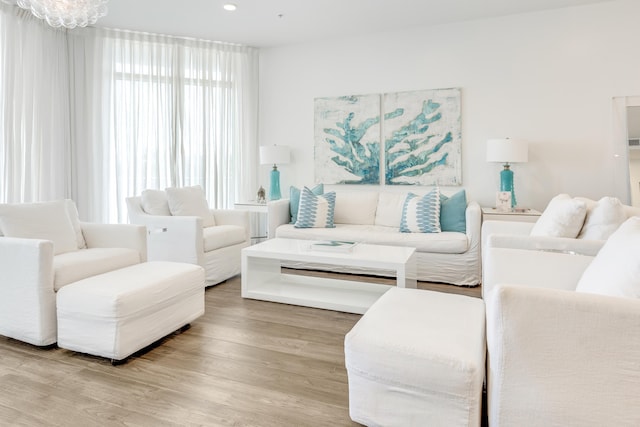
[265,23]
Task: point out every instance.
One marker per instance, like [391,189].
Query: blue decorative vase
[274,187]
[506,183]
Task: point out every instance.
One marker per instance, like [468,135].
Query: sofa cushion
[294,200]
[154,202]
[421,214]
[389,209]
[563,217]
[222,236]
[615,270]
[453,212]
[356,208]
[190,201]
[43,220]
[602,219]
[316,210]
[445,242]
[77,265]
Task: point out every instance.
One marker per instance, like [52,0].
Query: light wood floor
[244,363]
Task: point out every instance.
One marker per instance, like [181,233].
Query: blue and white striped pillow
[316,211]
[421,214]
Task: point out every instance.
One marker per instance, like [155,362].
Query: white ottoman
[416,358]
[117,313]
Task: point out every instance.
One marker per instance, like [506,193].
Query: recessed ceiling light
[230,7]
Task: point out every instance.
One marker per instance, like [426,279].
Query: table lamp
[507,151]
[274,155]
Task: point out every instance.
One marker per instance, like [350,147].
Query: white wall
[544,77]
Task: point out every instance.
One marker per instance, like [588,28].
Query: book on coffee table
[332,246]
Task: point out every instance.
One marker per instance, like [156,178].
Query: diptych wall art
[422,138]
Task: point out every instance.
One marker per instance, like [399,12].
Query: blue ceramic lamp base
[274,187]
[506,183]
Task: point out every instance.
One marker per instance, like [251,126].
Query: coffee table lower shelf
[331,294]
[263,277]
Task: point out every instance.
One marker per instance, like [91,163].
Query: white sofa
[506,236]
[34,269]
[557,357]
[183,239]
[374,217]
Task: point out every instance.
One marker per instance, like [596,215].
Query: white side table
[519,215]
[259,219]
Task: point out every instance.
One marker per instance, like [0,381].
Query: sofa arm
[489,228]
[279,213]
[233,217]
[27,298]
[116,236]
[562,358]
[542,243]
[473,216]
[174,238]
[540,269]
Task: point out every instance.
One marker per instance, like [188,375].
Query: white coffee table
[263,279]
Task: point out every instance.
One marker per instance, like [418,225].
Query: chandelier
[66,13]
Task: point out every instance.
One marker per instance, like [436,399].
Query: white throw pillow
[190,201]
[154,202]
[603,218]
[44,220]
[72,211]
[421,214]
[316,211]
[615,271]
[563,217]
[356,208]
[389,210]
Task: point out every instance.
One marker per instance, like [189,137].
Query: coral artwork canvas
[347,139]
[422,137]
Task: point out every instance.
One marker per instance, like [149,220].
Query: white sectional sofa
[374,217]
[598,222]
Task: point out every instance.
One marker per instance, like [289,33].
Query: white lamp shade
[507,151]
[274,155]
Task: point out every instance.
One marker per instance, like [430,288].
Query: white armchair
[183,239]
[34,269]
[557,357]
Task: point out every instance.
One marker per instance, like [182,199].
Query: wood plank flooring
[244,363]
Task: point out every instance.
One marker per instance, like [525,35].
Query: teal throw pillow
[421,214]
[316,211]
[453,212]
[294,199]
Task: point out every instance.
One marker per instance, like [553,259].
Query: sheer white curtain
[98,115]
[164,111]
[34,109]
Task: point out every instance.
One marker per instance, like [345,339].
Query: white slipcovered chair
[182,228]
[43,247]
[563,332]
